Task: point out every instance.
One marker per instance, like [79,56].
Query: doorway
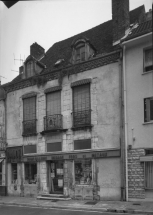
[56,177]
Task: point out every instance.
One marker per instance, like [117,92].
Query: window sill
[144,73]
[147,123]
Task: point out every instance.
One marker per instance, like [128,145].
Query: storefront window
[83,172]
[0,173]
[14,173]
[30,173]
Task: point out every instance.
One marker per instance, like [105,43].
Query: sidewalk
[104,206]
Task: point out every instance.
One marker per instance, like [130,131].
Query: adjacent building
[138,101]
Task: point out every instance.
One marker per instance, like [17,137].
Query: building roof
[101,37]
[141,29]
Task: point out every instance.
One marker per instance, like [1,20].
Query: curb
[114,210]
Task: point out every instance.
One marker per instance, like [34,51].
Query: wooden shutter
[81,98]
[29,108]
[151,109]
[54,103]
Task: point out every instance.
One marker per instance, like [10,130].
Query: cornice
[69,70]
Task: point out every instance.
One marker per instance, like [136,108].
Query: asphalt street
[14,210]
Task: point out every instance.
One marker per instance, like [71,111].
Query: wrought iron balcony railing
[29,127]
[81,118]
[53,122]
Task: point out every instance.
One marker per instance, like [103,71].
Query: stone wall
[136,174]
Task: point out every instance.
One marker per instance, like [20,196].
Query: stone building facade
[65,116]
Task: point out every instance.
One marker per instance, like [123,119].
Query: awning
[146,158]
[1,160]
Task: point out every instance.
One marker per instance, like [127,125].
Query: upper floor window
[30,69]
[80,53]
[53,119]
[82,50]
[29,115]
[148,109]
[81,106]
[148,60]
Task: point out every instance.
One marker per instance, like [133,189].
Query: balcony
[53,123]
[81,119]
[29,127]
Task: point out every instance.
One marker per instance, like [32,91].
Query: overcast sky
[47,22]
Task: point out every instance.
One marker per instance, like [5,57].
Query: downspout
[125,120]
[122,145]
[6,173]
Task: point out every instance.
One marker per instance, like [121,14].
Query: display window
[83,172]
[14,173]
[0,173]
[30,173]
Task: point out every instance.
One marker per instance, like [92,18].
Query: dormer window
[82,50]
[80,53]
[30,69]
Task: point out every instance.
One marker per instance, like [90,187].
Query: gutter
[136,38]
[125,120]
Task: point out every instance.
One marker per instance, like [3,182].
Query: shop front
[2,174]
[79,174]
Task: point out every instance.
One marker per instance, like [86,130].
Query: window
[83,172]
[53,147]
[148,60]
[29,149]
[81,105]
[53,119]
[14,173]
[80,53]
[30,173]
[148,109]
[149,175]
[1,172]
[30,69]
[29,115]
[82,144]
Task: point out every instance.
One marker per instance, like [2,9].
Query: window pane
[151,109]
[29,108]
[54,103]
[30,173]
[14,172]
[83,172]
[149,175]
[1,173]
[148,57]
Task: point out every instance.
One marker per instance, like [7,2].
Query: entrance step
[53,197]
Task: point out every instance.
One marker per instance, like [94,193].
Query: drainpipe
[6,173]
[125,120]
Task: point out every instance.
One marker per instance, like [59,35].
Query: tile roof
[142,29]
[101,37]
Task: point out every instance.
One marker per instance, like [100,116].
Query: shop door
[56,177]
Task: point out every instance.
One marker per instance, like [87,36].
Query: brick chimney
[120,17]
[37,51]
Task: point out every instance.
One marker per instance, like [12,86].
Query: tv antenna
[14,70]
[1,77]
[21,60]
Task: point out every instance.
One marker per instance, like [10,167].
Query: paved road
[14,210]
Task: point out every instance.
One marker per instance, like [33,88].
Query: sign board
[74,156]
[14,154]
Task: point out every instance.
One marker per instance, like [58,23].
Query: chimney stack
[120,17]
[37,51]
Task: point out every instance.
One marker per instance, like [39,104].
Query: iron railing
[53,122]
[29,127]
[81,118]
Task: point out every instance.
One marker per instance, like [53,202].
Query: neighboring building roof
[101,37]
[142,29]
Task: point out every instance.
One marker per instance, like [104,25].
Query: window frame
[29,172]
[12,174]
[79,110]
[30,119]
[147,118]
[29,72]
[144,62]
